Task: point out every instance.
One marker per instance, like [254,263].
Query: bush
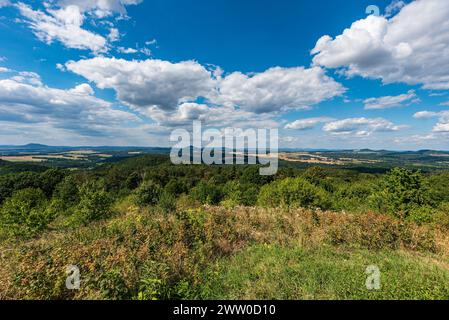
[67,192]
[24,213]
[400,192]
[148,194]
[133,180]
[293,192]
[177,186]
[95,204]
[438,188]
[352,197]
[421,215]
[236,193]
[49,180]
[207,193]
[441,216]
[167,202]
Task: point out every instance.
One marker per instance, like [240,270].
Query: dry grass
[115,255]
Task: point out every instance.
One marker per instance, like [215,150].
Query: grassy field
[234,253]
[276,272]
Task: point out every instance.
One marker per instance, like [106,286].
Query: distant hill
[36,147]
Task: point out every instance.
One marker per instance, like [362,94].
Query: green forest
[145,229]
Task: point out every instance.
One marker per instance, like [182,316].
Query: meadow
[145,229]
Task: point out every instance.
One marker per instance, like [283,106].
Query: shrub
[95,204]
[441,216]
[148,194]
[438,188]
[167,202]
[352,197]
[421,215]
[113,286]
[400,192]
[49,180]
[133,180]
[24,213]
[177,186]
[236,193]
[295,192]
[207,193]
[67,192]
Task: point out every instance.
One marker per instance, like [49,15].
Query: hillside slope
[233,253]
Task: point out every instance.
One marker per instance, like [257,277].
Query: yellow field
[22,159]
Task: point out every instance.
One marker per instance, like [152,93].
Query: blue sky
[129,72]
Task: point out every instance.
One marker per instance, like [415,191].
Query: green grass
[274,272]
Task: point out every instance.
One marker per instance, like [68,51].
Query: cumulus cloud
[84,89]
[101,8]
[410,47]
[278,89]
[309,123]
[23,99]
[169,93]
[443,119]
[63,21]
[360,126]
[391,101]
[221,116]
[148,83]
[114,35]
[62,25]
[394,7]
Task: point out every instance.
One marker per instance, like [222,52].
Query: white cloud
[83,89]
[391,101]
[63,25]
[60,67]
[101,8]
[147,83]
[3,69]
[425,114]
[63,21]
[309,123]
[27,77]
[151,42]
[411,47]
[145,51]
[443,119]
[437,94]
[126,50]
[114,35]
[441,127]
[169,92]
[223,116]
[25,100]
[360,126]
[289,139]
[278,89]
[4,3]
[394,7]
